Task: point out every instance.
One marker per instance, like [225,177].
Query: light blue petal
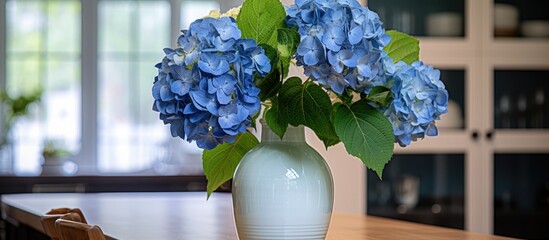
[180,88]
[223,98]
[166,93]
[200,99]
[355,35]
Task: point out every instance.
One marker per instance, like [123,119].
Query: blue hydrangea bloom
[205,88]
[419,99]
[342,36]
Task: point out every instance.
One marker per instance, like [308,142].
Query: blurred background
[91,65]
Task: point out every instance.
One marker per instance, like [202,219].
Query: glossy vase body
[282,189]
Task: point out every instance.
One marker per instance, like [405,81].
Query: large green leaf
[366,134]
[220,163]
[260,19]
[308,104]
[402,47]
[275,119]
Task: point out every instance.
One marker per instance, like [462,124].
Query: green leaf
[402,47]
[346,97]
[220,163]
[380,95]
[270,52]
[284,66]
[260,19]
[329,140]
[288,40]
[275,119]
[366,134]
[269,86]
[308,104]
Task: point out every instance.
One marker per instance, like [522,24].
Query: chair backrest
[70,230]
[75,217]
[48,223]
[48,220]
[68,210]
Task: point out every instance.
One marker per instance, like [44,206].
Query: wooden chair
[48,220]
[70,230]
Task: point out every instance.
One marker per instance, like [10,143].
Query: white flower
[233,12]
[214,14]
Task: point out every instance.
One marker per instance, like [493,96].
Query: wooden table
[187,215]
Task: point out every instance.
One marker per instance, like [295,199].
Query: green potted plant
[54,155]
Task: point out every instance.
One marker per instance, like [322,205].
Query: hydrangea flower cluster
[341,43]
[419,99]
[205,88]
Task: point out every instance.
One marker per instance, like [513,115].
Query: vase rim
[292,134]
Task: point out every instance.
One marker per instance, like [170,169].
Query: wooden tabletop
[187,215]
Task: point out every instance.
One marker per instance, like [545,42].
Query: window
[130,37]
[44,51]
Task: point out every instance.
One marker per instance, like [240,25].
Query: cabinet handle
[490,135]
[474,135]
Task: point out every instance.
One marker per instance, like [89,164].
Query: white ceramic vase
[282,189]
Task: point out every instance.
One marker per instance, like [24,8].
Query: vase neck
[293,134]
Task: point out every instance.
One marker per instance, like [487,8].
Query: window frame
[3,51]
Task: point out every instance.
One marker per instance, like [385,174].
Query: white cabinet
[505,137]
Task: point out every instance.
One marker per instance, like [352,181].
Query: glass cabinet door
[521,195]
[498,109]
[422,17]
[424,188]
[519,18]
[520,99]
[521,153]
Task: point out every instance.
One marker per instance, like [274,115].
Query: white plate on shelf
[535,28]
[444,24]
